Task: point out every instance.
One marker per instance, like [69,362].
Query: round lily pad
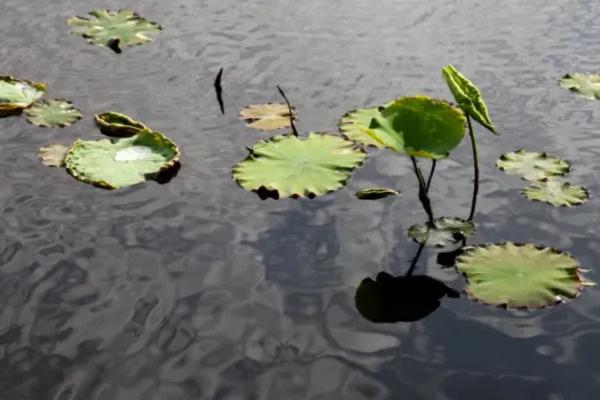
[375,193]
[556,193]
[583,85]
[291,166]
[115,124]
[519,275]
[52,113]
[444,232]
[266,117]
[121,162]
[18,94]
[53,155]
[355,125]
[532,166]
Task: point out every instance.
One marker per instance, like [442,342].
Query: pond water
[199,290]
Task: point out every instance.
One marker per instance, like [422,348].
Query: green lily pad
[121,162]
[266,117]
[53,155]
[556,193]
[375,193]
[18,94]
[420,126]
[355,125]
[52,113]
[532,166]
[444,232]
[114,29]
[115,124]
[583,85]
[468,96]
[519,275]
[291,166]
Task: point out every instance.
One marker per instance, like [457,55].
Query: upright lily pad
[121,162]
[18,94]
[532,166]
[115,124]
[290,166]
[468,96]
[355,125]
[444,232]
[53,155]
[52,113]
[556,193]
[114,29]
[583,85]
[375,193]
[266,117]
[519,275]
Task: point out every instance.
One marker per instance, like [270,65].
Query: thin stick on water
[289,109]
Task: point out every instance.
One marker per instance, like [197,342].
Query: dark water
[199,290]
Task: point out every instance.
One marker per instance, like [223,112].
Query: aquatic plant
[375,193]
[53,155]
[115,124]
[52,113]
[443,232]
[267,116]
[355,125]
[532,165]
[556,193]
[583,85]
[18,94]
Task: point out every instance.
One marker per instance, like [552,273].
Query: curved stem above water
[423,197]
[431,171]
[475,170]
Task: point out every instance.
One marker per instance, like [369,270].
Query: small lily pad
[291,166]
[115,124]
[444,232]
[556,193]
[531,165]
[583,85]
[53,155]
[355,125]
[266,117]
[375,193]
[52,113]
[519,275]
[18,94]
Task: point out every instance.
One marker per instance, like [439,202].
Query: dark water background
[199,290]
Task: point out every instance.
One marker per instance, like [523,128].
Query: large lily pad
[355,125]
[444,232]
[291,166]
[114,29]
[468,96]
[118,125]
[556,193]
[532,166]
[519,275]
[583,85]
[53,155]
[121,162]
[266,117]
[18,94]
[52,113]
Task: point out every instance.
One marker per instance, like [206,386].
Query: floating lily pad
[121,162]
[420,126]
[556,193]
[52,113]
[444,232]
[468,96]
[266,117]
[291,166]
[583,85]
[118,125]
[519,275]
[114,29]
[375,193]
[53,155]
[18,94]
[531,165]
[355,125]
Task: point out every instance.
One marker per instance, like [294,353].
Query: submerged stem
[413,263]
[475,170]
[423,197]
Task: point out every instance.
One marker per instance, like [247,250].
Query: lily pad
[420,126]
[532,166]
[18,94]
[266,117]
[556,193]
[291,166]
[444,232]
[468,96]
[519,275]
[121,162]
[53,155]
[375,193]
[114,29]
[52,113]
[355,125]
[118,125]
[583,85]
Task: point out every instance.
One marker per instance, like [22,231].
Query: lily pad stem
[413,263]
[423,197]
[475,170]
[289,110]
[431,171]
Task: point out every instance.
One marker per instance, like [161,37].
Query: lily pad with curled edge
[53,155]
[556,193]
[121,162]
[519,275]
[291,166]
[52,113]
[355,125]
[18,94]
[375,193]
[444,232]
[583,85]
[114,29]
[266,117]
[468,96]
[115,124]
[420,126]
[531,165]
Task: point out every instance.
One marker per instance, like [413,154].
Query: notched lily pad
[444,232]
[355,125]
[519,275]
[53,155]
[114,29]
[556,193]
[117,163]
[583,85]
[52,113]
[268,116]
[532,166]
[375,193]
[291,166]
[18,94]
[115,124]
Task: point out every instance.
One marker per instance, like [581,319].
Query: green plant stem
[423,197]
[413,263]
[475,170]
[431,171]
